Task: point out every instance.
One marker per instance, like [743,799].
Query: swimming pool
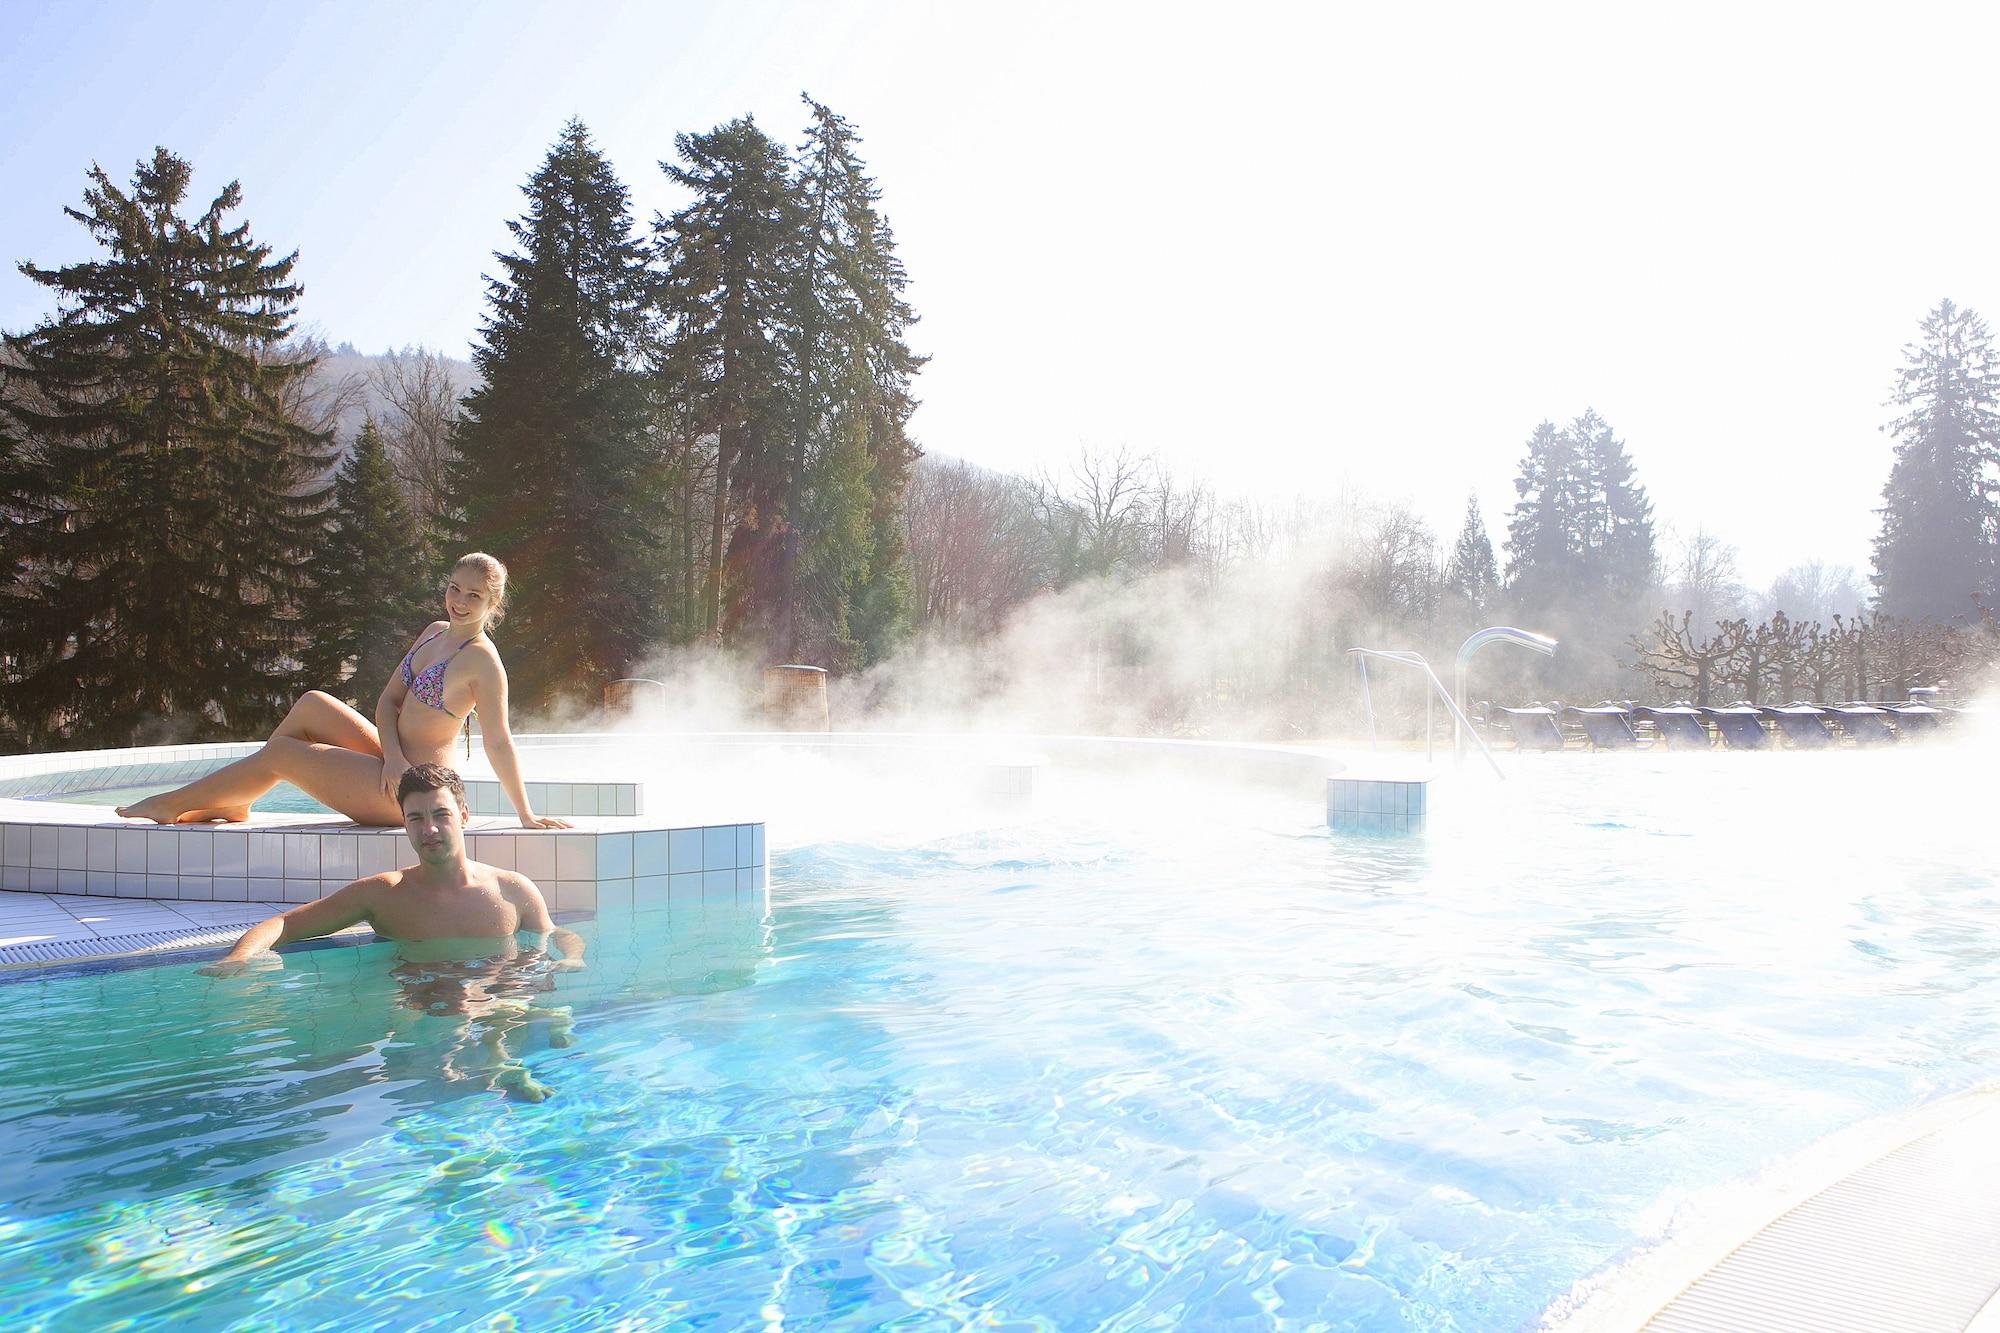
[283,799]
[1141,1058]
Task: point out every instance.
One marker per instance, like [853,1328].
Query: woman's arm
[490,691]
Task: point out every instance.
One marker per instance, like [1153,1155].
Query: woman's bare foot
[221,814]
[154,808]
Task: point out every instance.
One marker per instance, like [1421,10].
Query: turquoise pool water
[283,799]
[1164,1064]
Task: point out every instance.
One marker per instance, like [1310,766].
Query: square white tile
[535,855]
[576,857]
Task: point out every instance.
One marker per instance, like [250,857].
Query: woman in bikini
[349,764]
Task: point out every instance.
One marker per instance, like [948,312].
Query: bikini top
[428,685]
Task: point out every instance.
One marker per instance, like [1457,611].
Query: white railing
[1414,659]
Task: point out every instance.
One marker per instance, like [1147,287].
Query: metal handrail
[1415,659]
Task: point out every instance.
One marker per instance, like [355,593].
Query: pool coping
[86,951]
[1736,1255]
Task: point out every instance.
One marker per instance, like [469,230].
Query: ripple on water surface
[1172,1067]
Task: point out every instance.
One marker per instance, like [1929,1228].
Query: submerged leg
[512,1077]
[318,725]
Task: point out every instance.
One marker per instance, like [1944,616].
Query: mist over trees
[1935,554]
[1581,555]
[695,432]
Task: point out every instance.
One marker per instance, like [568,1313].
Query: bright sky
[1280,247]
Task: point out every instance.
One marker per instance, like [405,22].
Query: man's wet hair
[429,777]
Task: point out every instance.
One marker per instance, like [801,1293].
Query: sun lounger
[1914,719]
[1802,725]
[1534,728]
[1865,724]
[1678,726]
[1606,726]
[1740,726]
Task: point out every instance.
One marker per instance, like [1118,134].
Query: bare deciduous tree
[1092,520]
[1817,591]
[323,400]
[419,394]
[1683,662]
[1702,579]
[1396,569]
[974,546]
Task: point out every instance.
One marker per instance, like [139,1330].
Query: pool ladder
[1461,726]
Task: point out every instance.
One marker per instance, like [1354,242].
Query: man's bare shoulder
[369,887]
[524,896]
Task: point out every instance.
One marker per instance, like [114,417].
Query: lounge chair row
[1799,726]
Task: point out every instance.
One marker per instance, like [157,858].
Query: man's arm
[336,911]
[533,910]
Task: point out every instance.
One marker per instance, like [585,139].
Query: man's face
[435,821]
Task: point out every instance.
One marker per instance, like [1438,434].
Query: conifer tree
[161,533]
[372,588]
[1615,519]
[850,405]
[554,472]
[1582,531]
[1472,576]
[1541,532]
[1940,508]
[724,355]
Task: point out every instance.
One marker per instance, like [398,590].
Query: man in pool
[445,896]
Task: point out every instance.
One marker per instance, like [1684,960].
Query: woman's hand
[545,821]
[392,776]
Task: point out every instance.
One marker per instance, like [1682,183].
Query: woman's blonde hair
[496,582]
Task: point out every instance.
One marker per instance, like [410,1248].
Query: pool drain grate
[115,946]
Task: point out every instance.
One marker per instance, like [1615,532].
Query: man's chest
[447,916]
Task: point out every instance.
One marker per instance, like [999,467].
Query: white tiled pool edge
[47,846]
[51,848]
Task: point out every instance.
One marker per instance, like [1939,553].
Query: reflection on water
[1131,1063]
[146,1081]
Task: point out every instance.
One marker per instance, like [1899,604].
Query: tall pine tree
[160,532]
[373,589]
[554,471]
[1581,534]
[1935,555]
[850,406]
[1542,530]
[1471,575]
[724,351]
[1615,519]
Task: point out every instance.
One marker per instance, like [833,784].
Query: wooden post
[795,699]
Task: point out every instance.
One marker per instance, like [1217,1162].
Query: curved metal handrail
[1409,658]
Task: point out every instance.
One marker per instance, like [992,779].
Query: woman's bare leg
[339,779]
[317,722]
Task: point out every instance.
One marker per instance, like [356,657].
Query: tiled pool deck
[38,929]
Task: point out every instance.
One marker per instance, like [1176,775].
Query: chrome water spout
[1478,639]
